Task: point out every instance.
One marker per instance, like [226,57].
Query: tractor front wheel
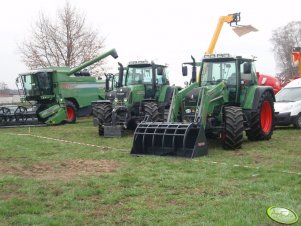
[103,112]
[234,128]
[71,112]
[262,121]
[152,111]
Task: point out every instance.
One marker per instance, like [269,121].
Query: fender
[258,93]
[253,95]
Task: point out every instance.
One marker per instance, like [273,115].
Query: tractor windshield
[37,84]
[289,95]
[139,75]
[213,72]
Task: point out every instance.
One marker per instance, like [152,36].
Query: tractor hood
[122,93]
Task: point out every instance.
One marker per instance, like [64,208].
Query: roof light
[139,62]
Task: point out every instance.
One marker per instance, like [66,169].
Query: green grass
[38,185]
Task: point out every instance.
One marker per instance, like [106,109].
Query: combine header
[55,95]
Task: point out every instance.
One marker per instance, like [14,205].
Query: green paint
[52,87]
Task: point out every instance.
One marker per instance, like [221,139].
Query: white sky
[168,31]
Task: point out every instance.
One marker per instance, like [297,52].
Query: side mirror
[247,68]
[159,71]
[184,70]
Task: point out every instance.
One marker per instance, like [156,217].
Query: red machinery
[269,80]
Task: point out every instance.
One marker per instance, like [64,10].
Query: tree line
[69,41]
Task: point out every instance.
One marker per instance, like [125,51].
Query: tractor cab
[37,85]
[149,76]
[237,73]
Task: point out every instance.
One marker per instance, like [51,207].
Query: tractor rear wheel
[234,127]
[262,121]
[151,109]
[103,112]
[71,112]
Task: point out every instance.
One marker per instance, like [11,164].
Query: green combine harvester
[224,103]
[55,95]
[144,92]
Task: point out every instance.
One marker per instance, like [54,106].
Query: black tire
[151,109]
[297,121]
[103,112]
[71,112]
[262,123]
[234,128]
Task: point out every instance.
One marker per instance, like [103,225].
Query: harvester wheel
[297,122]
[71,112]
[262,121]
[151,109]
[234,127]
[103,111]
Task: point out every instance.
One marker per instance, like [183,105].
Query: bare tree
[283,40]
[3,88]
[67,41]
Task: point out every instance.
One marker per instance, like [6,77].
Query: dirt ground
[64,170]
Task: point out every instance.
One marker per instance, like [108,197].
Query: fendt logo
[67,86]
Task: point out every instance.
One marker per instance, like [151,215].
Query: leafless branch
[67,41]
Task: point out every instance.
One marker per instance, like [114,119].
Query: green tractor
[224,103]
[56,95]
[144,93]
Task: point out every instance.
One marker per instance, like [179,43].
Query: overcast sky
[167,31]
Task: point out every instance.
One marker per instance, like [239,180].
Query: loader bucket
[170,139]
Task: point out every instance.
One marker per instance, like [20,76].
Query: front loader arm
[177,100]
[209,98]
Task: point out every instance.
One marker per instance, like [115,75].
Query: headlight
[125,100]
[188,111]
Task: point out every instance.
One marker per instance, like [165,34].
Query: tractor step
[170,139]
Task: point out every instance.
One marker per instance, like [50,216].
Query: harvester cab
[225,102]
[56,95]
[145,93]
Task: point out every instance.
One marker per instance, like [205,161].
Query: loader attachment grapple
[170,139]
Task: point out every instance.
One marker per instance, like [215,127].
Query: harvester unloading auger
[222,102]
[59,95]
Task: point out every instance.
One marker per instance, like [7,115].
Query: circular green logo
[282,215]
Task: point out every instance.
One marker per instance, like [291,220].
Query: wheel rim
[70,113]
[266,117]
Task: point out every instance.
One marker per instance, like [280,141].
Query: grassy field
[54,176]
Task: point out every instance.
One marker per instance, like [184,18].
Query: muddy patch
[60,170]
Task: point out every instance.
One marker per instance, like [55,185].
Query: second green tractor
[143,93]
